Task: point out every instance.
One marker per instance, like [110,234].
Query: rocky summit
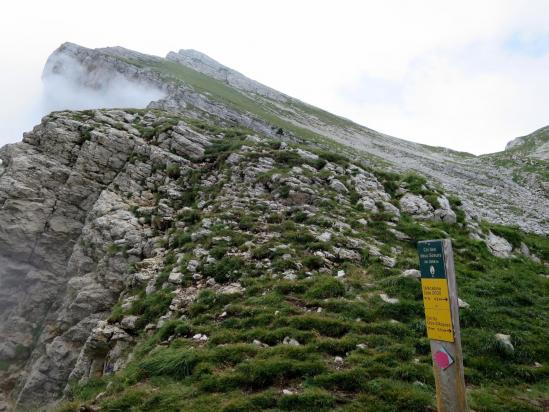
[230,248]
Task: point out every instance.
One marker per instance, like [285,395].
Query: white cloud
[62,90]
[438,72]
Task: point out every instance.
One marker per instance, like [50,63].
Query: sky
[468,75]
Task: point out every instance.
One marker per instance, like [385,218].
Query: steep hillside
[490,188]
[230,248]
[152,261]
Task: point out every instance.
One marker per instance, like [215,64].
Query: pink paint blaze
[442,359]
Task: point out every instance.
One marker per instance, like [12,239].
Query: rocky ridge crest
[501,188]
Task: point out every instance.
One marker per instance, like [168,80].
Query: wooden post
[440,298]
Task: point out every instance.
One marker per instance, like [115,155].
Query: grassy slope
[220,92]
[527,164]
[391,373]
[531,142]
[264,109]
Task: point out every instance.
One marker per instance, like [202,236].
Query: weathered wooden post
[440,298]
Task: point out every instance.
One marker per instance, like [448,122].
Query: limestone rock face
[535,145]
[68,236]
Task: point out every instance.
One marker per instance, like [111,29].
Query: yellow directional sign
[435,293]
[436,299]
[438,317]
[440,299]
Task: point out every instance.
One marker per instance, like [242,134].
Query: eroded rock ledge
[66,194]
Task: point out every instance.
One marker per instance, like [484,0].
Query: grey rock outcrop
[534,145]
[205,64]
[445,212]
[498,246]
[416,206]
[68,237]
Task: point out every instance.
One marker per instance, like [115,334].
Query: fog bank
[67,85]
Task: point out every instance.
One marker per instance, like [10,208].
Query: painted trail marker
[440,299]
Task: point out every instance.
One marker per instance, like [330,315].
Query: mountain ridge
[525,185]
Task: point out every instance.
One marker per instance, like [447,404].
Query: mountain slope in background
[499,187]
[231,248]
[535,145]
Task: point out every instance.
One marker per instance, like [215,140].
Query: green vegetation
[223,93]
[173,171]
[271,344]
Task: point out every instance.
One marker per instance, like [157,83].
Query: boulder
[325,237]
[390,208]
[411,273]
[505,341]
[524,249]
[388,261]
[233,159]
[416,206]
[175,277]
[290,341]
[306,155]
[193,265]
[498,246]
[398,234]
[445,215]
[129,322]
[462,304]
[346,254]
[385,298]
[338,186]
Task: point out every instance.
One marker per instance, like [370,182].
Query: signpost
[438,283]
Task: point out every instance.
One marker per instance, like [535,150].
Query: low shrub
[326,287]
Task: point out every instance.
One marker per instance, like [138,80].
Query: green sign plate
[431,259]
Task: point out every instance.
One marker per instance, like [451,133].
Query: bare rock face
[68,236]
[87,202]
